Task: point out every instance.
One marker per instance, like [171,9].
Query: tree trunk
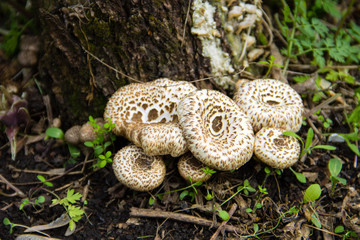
[92,49]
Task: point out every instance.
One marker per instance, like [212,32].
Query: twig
[142,212]
[223,224]
[110,67]
[18,191]
[186,19]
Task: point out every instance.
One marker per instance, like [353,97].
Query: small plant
[69,203]
[100,144]
[335,167]
[7,222]
[270,65]
[306,147]
[345,234]
[308,35]
[13,114]
[312,193]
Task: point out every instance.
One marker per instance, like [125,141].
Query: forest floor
[260,202]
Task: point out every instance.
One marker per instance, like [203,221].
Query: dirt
[277,206]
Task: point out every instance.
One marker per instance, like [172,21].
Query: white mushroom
[270,103]
[275,149]
[136,170]
[217,132]
[190,167]
[148,104]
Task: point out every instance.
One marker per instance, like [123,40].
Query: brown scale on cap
[270,103]
[141,105]
[217,132]
[136,170]
[189,166]
[275,149]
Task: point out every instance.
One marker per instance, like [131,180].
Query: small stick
[223,224]
[18,191]
[142,212]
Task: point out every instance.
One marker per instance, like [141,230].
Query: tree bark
[91,48]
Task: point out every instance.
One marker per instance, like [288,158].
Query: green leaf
[326,147]
[89,144]
[49,184]
[41,178]
[309,138]
[41,199]
[339,229]
[301,78]
[334,166]
[249,210]
[256,227]
[102,164]
[55,133]
[71,197]
[312,193]
[299,176]
[183,194]
[315,220]
[72,225]
[6,221]
[224,215]
[74,151]
[151,201]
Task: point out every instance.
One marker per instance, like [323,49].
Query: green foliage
[270,64]
[335,167]
[312,193]
[100,144]
[44,182]
[306,147]
[306,34]
[10,42]
[69,203]
[299,176]
[55,133]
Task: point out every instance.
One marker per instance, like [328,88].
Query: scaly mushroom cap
[140,105]
[189,166]
[160,139]
[217,132]
[270,103]
[136,170]
[275,149]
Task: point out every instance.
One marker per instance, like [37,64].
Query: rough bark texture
[144,40]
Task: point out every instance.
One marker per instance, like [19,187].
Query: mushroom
[275,149]
[216,131]
[270,103]
[72,135]
[87,132]
[136,170]
[191,168]
[146,105]
[160,139]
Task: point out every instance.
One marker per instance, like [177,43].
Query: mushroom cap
[189,166]
[148,102]
[217,132]
[136,170]
[275,149]
[147,105]
[160,139]
[270,103]
[72,135]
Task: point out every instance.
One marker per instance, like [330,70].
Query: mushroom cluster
[272,107]
[205,127]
